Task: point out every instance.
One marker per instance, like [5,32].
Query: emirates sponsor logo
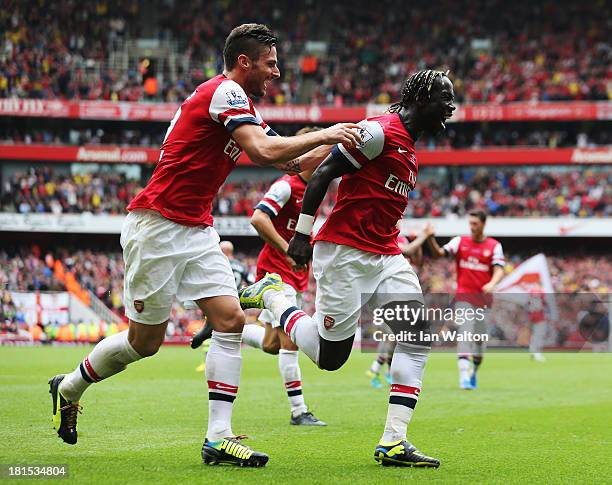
[597,155]
[473,265]
[395,184]
[232,150]
[111,155]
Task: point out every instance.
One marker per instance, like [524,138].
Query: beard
[256,88]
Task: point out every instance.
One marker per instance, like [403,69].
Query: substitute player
[480,266]
[356,255]
[171,249]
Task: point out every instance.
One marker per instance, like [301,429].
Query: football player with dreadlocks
[356,254]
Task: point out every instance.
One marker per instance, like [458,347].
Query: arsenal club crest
[328,322]
[139,305]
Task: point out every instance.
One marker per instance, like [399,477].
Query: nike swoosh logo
[565,229]
[221,387]
[299,201]
[402,151]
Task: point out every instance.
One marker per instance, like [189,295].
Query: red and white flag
[531,276]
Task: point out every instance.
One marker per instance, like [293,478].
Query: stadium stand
[102,272]
[40,190]
[504,192]
[457,136]
[102,70]
[527,54]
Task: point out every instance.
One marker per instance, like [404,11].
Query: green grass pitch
[528,422]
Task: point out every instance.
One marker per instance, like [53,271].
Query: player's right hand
[300,249]
[429,229]
[345,133]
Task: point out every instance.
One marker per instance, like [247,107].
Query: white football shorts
[348,278]
[164,260]
[471,323]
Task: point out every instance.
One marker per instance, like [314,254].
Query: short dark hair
[482,215]
[247,39]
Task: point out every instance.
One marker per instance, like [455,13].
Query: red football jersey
[283,203]
[372,200]
[198,153]
[475,261]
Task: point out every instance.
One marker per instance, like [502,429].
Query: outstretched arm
[334,166]
[308,161]
[284,151]
[434,247]
[414,249]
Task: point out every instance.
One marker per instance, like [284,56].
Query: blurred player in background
[411,246]
[480,266]
[536,309]
[171,249]
[241,277]
[274,219]
[356,254]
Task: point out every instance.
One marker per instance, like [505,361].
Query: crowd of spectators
[44,191]
[55,49]
[531,192]
[330,53]
[28,270]
[569,273]
[8,312]
[102,272]
[515,193]
[150,138]
[456,136]
[474,136]
[32,270]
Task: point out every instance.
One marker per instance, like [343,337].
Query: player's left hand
[300,249]
[488,288]
[294,265]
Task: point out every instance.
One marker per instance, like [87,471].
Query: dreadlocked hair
[416,86]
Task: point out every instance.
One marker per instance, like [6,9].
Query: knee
[271,348]
[230,322]
[333,355]
[146,348]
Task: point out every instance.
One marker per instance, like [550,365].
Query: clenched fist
[300,249]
